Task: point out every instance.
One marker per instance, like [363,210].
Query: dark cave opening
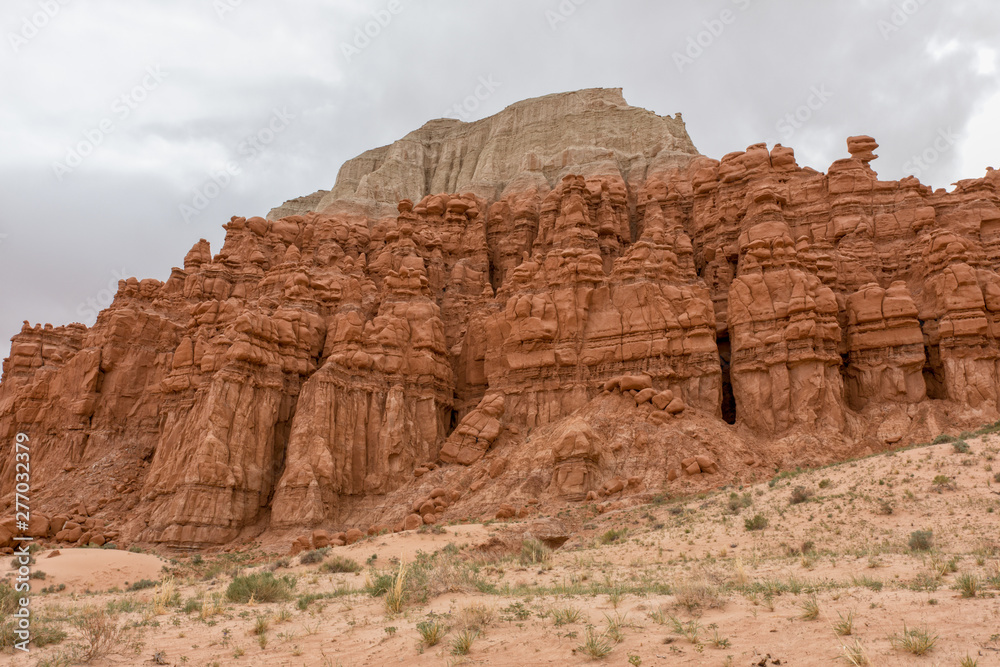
[728,398]
[934,373]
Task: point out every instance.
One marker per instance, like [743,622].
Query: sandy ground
[82,570]
[686,565]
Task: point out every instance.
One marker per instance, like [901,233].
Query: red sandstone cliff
[596,310]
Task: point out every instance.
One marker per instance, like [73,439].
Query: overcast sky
[115,115]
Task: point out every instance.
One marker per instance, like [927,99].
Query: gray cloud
[928,73]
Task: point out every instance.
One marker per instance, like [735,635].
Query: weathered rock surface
[559,303]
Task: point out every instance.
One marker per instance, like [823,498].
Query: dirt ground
[900,550]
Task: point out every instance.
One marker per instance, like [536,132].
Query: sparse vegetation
[564,615]
[595,646]
[260,587]
[756,522]
[921,540]
[533,552]
[314,556]
[800,494]
[917,641]
[968,584]
[103,635]
[845,624]
[340,564]
[810,609]
[431,632]
[462,644]
[856,655]
[613,535]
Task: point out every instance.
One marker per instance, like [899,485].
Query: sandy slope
[752,588]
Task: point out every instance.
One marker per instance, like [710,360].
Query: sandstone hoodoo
[562,302]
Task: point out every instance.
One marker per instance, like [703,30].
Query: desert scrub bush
[166,595]
[44,632]
[278,564]
[960,447]
[870,583]
[942,483]
[917,641]
[314,556]
[260,587]
[921,540]
[968,584]
[613,535]
[340,564]
[943,438]
[433,529]
[261,625]
[689,630]
[737,502]
[141,584]
[810,609]
[564,615]
[615,624]
[462,644]
[476,617]
[856,655]
[8,599]
[595,646]
[395,596]
[756,522]
[845,625]
[694,595]
[378,583]
[800,494]
[533,552]
[432,631]
[103,635]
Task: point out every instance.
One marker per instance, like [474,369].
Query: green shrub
[534,552]
[260,587]
[800,494]
[960,447]
[340,564]
[8,599]
[314,556]
[921,540]
[613,535]
[141,584]
[756,522]
[737,502]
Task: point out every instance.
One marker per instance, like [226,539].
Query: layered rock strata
[561,302]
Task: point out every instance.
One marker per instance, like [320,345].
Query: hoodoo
[561,302]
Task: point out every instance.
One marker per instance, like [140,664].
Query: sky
[128,131]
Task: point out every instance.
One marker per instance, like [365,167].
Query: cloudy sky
[116,116]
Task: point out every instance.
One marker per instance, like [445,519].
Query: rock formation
[559,303]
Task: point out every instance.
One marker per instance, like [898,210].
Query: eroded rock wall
[663,321]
